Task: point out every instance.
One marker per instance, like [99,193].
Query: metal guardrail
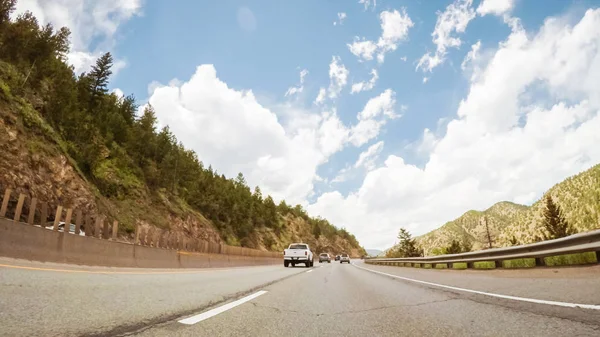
[578,243]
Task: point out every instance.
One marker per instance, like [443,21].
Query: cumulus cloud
[233,132]
[495,7]
[529,120]
[365,85]
[394,29]
[340,20]
[93,25]
[454,19]
[296,90]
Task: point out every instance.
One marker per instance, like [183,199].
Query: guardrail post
[57,218]
[87,226]
[598,256]
[68,221]
[44,215]
[433,265]
[105,231]
[78,219]
[539,262]
[19,207]
[5,202]
[498,264]
[97,226]
[115,229]
[32,206]
[449,266]
[470,265]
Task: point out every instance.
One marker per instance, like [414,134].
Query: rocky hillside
[577,196]
[471,227]
[509,223]
[67,140]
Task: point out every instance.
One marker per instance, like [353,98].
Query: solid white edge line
[508,297]
[221,309]
[308,271]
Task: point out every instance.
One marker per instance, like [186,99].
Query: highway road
[40,299]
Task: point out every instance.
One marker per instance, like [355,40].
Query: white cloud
[496,7]
[296,90]
[454,19]
[373,117]
[367,158]
[471,55]
[338,75]
[321,96]
[530,120]
[338,78]
[118,92]
[403,58]
[234,133]
[368,3]
[394,29]
[365,85]
[340,21]
[425,79]
[93,25]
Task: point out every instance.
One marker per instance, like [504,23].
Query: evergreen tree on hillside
[100,75]
[454,248]
[554,222]
[407,247]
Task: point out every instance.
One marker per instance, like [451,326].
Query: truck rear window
[324,255]
[298,247]
[344,255]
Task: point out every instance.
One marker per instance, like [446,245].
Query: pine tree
[99,76]
[554,222]
[407,247]
[454,248]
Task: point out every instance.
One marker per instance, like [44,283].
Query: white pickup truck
[298,253]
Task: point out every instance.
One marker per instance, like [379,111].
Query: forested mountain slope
[66,139]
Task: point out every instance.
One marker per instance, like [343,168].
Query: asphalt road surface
[329,300]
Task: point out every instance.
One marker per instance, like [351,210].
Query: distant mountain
[578,197]
[471,227]
[373,252]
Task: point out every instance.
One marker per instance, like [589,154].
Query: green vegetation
[484,265]
[571,259]
[125,156]
[554,222]
[459,265]
[519,263]
[406,248]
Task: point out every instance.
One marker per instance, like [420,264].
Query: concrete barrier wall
[23,241]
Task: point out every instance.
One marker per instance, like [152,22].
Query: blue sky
[197,62]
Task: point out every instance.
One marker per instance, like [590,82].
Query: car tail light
[305,253]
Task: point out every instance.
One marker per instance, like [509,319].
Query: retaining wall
[23,241]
